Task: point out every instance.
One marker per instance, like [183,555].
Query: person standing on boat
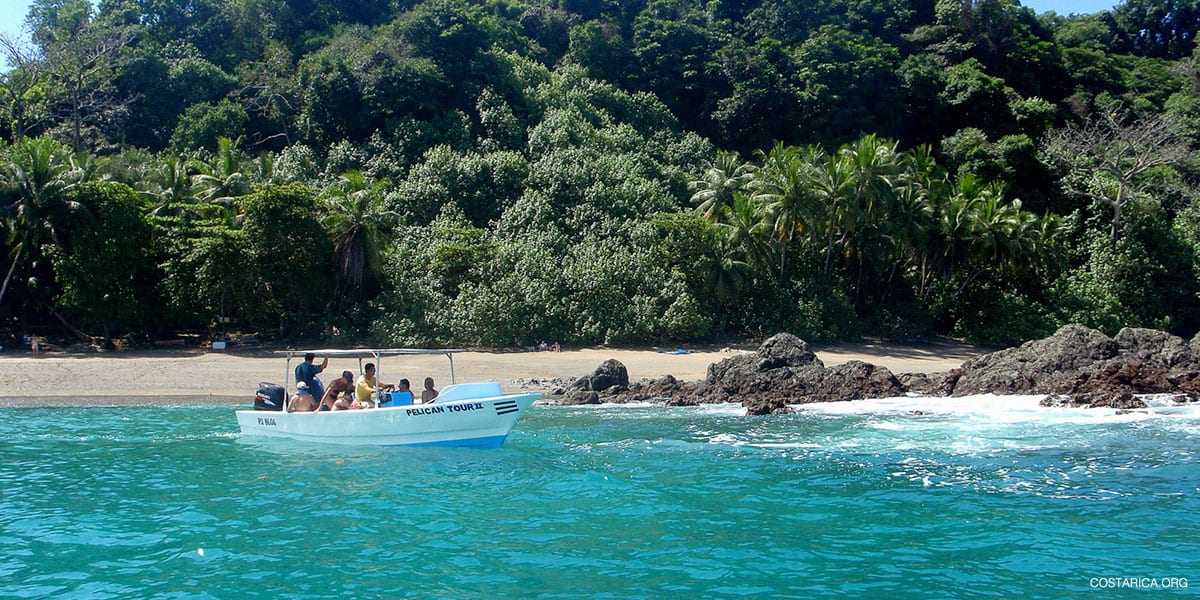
[302,401]
[307,372]
[428,394]
[340,394]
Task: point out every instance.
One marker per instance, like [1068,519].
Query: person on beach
[302,400]
[340,393]
[307,372]
[429,393]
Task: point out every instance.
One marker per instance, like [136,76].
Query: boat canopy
[364,353]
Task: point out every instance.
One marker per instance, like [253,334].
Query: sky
[1068,7]
[12,15]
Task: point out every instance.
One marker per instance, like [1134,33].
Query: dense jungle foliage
[499,172]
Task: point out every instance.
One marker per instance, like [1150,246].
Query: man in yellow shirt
[366,386]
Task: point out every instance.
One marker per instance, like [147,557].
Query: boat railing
[362,354]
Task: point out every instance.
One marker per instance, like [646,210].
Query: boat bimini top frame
[362,354]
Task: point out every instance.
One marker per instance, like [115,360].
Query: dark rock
[1039,366]
[854,380]
[1131,377]
[1153,347]
[780,350]
[1102,399]
[580,397]
[774,406]
[916,382]
[610,373]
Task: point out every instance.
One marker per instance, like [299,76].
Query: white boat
[463,414]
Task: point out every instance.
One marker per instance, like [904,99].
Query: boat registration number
[266,421]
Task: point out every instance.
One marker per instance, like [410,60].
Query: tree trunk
[13,268]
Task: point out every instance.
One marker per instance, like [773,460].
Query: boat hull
[481,422]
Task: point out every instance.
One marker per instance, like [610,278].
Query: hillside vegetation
[584,171]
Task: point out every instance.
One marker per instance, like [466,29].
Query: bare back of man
[302,403]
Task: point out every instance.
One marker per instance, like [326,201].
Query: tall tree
[714,191]
[358,218]
[785,192]
[22,87]
[83,58]
[1157,28]
[37,176]
[100,274]
[1111,160]
[222,179]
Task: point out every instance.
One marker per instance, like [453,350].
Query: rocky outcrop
[854,380]
[1040,366]
[1077,367]
[782,372]
[611,377]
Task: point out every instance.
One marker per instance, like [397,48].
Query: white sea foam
[999,409]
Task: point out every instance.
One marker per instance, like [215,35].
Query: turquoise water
[980,497]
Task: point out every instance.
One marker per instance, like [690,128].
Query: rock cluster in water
[1077,366]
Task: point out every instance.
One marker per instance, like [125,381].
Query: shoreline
[195,376]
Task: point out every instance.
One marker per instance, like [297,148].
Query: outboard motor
[269,397]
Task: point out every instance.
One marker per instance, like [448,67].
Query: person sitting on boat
[307,372]
[339,390]
[302,400]
[347,402]
[366,386]
[429,393]
[403,386]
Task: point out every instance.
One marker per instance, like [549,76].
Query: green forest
[500,172]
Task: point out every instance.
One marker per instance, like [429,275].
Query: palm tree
[262,170]
[993,223]
[714,191]
[38,175]
[874,167]
[170,187]
[357,217]
[744,228]
[909,230]
[222,180]
[834,185]
[785,192]
[951,247]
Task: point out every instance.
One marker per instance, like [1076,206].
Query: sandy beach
[182,376]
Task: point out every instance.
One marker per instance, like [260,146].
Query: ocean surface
[924,498]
